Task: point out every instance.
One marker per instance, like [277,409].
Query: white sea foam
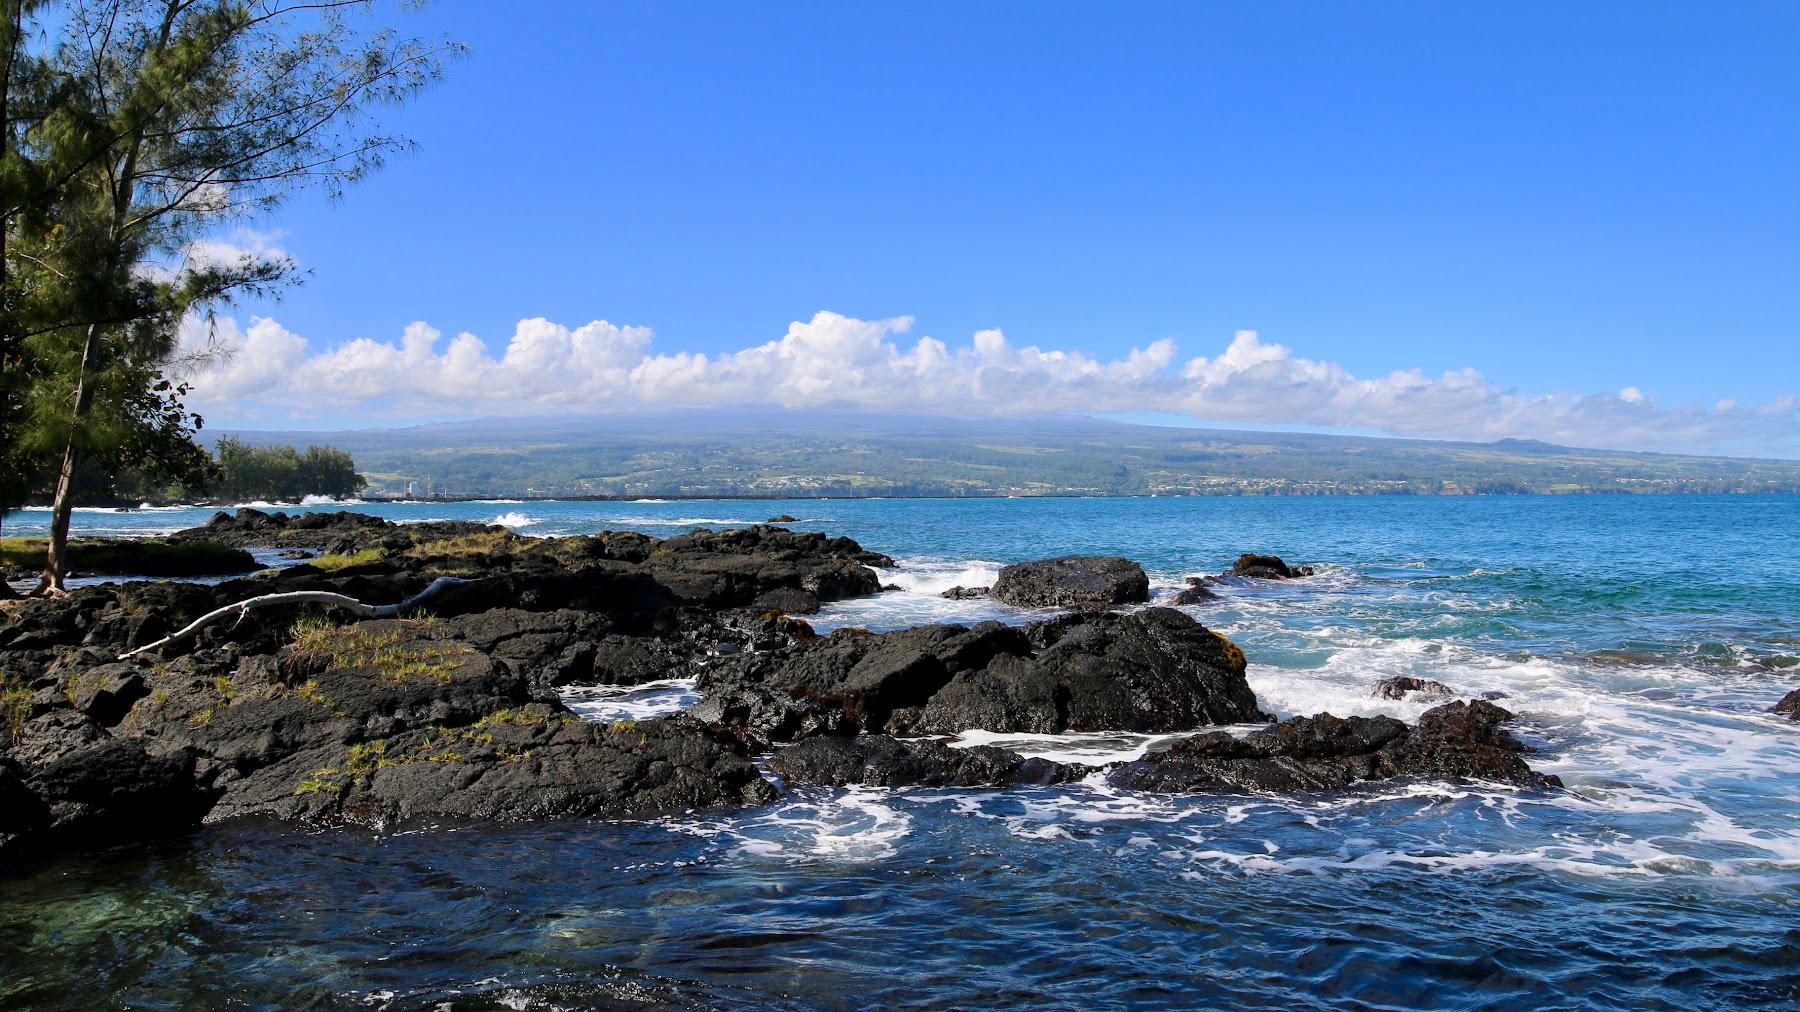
[918,601]
[853,825]
[631,702]
[649,521]
[931,576]
[1087,748]
[514,520]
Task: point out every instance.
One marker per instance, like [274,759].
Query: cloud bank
[270,375]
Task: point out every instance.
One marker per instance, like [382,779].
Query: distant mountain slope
[825,453]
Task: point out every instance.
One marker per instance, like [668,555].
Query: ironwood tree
[134,129]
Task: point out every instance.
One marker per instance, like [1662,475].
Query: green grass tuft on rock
[333,563]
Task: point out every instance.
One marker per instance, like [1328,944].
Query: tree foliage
[281,472]
[133,129]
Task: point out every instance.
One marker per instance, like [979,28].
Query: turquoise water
[1640,639]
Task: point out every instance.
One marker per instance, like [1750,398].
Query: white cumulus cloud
[269,374]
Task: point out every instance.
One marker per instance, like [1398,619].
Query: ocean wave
[933,576]
[514,520]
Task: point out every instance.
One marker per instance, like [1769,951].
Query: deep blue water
[1640,639]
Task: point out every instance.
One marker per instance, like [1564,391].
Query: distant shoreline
[504,499]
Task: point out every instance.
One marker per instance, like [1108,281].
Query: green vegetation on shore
[145,557]
[281,472]
[240,472]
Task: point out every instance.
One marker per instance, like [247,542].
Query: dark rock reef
[1088,582]
[298,714]
[882,761]
[1266,567]
[293,712]
[1453,741]
[1153,670]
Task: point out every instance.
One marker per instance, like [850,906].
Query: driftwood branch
[325,597]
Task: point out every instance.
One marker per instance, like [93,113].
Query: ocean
[1640,639]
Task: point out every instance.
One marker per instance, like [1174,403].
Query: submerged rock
[882,761]
[1154,670]
[782,519]
[1454,741]
[1266,567]
[1089,582]
[1399,686]
[1196,592]
[1790,705]
[964,593]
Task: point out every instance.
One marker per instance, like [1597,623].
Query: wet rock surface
[1323,752]
[1400,686]
[1266,567]
[1789,704]
[1197,591]
[1089,582]
[882,761]
[302,714]
[1153,670]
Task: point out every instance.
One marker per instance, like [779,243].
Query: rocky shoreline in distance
[451,712]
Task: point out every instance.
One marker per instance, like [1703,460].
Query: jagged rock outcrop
[1454,741]
[882,761]
[1088,582]
[299,715]
[960,593]
[1151,670]
[1266,567]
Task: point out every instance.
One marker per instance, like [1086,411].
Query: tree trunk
[64,504]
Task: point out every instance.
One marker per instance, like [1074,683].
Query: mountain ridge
[831,453]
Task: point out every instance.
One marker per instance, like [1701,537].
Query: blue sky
[1568,199]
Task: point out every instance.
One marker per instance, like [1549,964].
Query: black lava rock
[1090,582]
[1266,567]
[1153,670]
[882,761]
[1399,686]
[1454,741]
[1790,705]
